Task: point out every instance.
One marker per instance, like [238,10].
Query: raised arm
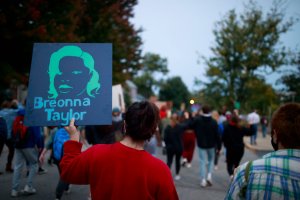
[75,164]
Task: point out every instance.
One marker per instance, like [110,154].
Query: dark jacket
[100,134]
[173,138]
[207,132]
[3,129]
[233,136]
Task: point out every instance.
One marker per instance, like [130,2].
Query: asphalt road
[188,187]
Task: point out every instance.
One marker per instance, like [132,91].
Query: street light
[192,101]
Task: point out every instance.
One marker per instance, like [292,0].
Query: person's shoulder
[241,168]
[198,118]
[168,127]
[257,166]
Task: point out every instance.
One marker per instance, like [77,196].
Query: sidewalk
[188,187]
[263,144]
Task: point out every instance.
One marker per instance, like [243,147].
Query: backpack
[61,136]
[19,131]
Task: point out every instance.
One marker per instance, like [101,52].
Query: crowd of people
[131,145]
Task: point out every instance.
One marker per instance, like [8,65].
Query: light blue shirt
[9,115]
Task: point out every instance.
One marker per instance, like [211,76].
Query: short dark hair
[286,123]
[206,109]
[141,120]
[235,119]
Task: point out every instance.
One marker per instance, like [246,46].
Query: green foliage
[291,81]
[173,89]
[145,83]
[244,45]
[260,96]
[152,65]
[24,22]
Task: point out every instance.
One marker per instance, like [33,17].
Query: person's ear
[274,136]
[124,127]
[274,141]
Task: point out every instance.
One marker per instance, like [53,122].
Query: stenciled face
[73,78]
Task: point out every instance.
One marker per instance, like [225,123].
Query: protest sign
[70,80]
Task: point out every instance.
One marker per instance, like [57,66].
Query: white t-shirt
[253,118]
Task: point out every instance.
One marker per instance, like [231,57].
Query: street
[188,187]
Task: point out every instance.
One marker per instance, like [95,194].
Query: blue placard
[70,80]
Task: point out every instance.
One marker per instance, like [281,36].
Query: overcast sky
[182,30]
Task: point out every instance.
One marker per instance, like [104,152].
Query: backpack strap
[243,190]
[247,171]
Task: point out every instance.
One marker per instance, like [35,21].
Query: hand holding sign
[72,130]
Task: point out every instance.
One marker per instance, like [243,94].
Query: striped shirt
[275,176]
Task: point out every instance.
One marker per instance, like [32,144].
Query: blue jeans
[25,156]
[61,185]
[206,156]
[264,130]
[253,128]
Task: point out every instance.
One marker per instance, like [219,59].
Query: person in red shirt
[123,170]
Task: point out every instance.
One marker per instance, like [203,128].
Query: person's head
[206,109]
[236,112]
[14,104]
[173,121]
[228,115]
[163,112]
[285,126]
[69,65]
[116,111]
[215,115]
[187,115]
[116,114]
[5,104]
[234,120]
[141,120]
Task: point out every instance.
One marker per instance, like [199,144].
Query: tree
[173,89]
[291,81]
[152,66]
[108,21]
[245,46]
[24,22]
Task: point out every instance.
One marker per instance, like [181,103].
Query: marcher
[234,143]
[215,115]
[189,142]
[174,145]
[277,174]
[41,170]
[3,134]
[151,144]
[207,135]
[27,154]
[9,110]
[117,123]
[106,134]
[100,134]
[163,123]
[253,119]
[264,126]
[61,186]
[127,170]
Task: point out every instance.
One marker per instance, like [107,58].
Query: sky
[181,31]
